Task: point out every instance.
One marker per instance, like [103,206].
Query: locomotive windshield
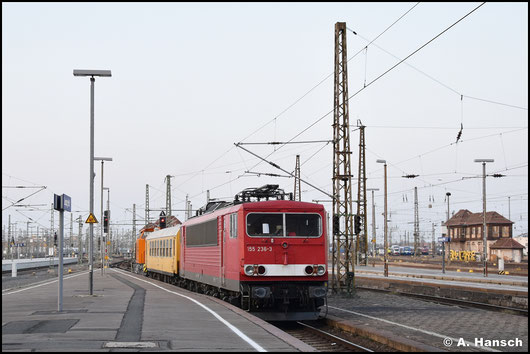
[284,225]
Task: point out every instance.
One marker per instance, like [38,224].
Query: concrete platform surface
[129,312]
[441,326]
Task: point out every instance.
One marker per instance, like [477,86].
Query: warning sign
[91,219]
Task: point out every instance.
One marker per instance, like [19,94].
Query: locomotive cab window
[284,225]
[265,225]
[304,225]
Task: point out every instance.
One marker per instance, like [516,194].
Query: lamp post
[102,159]
[484,233]
[92,74]
[385,267]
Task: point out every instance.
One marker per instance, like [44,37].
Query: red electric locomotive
[268,257]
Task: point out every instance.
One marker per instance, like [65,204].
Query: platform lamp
[484,233]
[92,74]
[385,267]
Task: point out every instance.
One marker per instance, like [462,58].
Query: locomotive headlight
[309,270]
[321,270]
[249,270]
[262,270]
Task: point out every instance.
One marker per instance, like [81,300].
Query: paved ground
[131,309]
[431,323]
[418,320]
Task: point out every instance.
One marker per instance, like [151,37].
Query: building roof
[464,218]
[507,243]
[171,220]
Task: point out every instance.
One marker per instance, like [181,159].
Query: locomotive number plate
[259,249]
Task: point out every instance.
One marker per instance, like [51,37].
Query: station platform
[21,264]
[497,290]
[474,279]
[129,312]
[411,325]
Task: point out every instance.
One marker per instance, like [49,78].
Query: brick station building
[465,230]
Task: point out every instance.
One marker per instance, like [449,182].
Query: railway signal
[336,224]
[357,224]
[162,220]
[106,221]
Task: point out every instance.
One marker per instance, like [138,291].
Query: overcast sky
[189,80]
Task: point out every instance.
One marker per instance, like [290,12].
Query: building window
[495,231]
[506,231]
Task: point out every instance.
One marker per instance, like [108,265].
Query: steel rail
[468,303]
[330,336]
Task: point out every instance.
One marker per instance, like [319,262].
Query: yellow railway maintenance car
[162,254]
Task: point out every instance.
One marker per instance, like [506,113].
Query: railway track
[457,302]
[326,339]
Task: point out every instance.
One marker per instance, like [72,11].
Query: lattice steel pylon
[343,243]
[146,204]
[168,195]
[297,187]
[417,251]
[362,237]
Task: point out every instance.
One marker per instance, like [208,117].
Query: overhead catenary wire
[381,75]
[289,173]
[290,106]
[417,50]
[434,79]
[288,142]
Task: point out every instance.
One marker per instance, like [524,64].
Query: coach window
[265,225]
